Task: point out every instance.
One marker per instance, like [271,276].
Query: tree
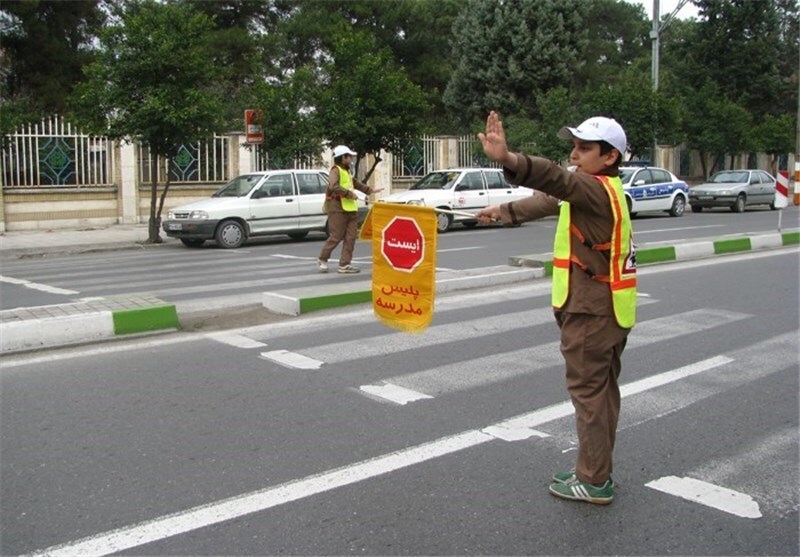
[366,101]
[508,51]
[775,136]
[153,81]
[45,45]
[643,113]
[291,127]
[715,125]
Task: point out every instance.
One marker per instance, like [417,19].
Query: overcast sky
[689,10]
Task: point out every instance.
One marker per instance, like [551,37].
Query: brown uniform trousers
[592,346]
[342,227]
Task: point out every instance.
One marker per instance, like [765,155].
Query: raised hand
[494,140]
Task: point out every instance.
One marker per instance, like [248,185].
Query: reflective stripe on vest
[349,205]
[621,276]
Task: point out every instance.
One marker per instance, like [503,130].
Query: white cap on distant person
[340,150]
[598,128]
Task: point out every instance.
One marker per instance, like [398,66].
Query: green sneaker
[580,491]
[569,476]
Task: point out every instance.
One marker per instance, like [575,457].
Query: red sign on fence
[254,126]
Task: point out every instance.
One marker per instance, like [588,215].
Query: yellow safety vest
[349,205]
[621,276]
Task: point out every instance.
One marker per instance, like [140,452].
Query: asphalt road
[197,277]
[211,444]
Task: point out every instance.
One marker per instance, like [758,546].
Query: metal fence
[52,153]
[201,162]
[470,153]
[417,158]
[261,161]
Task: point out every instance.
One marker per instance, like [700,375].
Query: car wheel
[738,205]
[230,234]
[192,242]
[697,209]
[443,222]
[678,206]
[772,207]
[298,235]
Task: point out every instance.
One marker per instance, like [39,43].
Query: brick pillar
[128,192]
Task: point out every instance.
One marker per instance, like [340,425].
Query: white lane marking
[235,507]
[113,348]
[394,393]
[248,503]
[530,421]
[710,495]
[37,286]
[510,433]
[640,232]
[459,249]
[494,368]
[298,257]
[292,359]
[238,341]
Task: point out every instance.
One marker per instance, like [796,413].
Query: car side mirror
[638,183]
[462,187]
[258,194]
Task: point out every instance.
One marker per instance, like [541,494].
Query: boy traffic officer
[594,281]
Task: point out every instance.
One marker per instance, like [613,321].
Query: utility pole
[655,36]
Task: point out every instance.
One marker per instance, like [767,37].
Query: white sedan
[465,190]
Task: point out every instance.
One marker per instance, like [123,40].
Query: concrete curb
[66,324]
[680,252]
[304,300]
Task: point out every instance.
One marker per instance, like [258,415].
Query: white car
[653,189]
[256,204]
[460,189]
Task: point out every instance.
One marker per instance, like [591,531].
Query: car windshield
[436,181]
[625,174]
[728,178]
[239,186]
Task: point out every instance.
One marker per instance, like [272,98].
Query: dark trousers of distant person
[592,346]
[342,227]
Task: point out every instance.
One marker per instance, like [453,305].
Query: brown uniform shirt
[591,214]
[335,192]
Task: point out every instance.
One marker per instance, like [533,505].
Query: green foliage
[367,101]
[508,51]
[153,79]
[45,45]
[291,128]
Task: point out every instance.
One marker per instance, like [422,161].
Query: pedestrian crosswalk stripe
[393,393]
[239,341]
[339,352]
[290,359]
[508,365]
[710,495]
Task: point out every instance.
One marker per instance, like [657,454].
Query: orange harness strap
[588,243]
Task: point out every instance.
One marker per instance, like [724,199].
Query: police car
[648,188]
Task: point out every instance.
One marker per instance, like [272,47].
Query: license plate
[705,197]
[174,226]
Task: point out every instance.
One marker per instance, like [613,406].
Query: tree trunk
[163,197]
[703,164]
[378,159]
[152,230]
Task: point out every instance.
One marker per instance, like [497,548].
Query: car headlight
[416,202]
[171,215]
[198,215]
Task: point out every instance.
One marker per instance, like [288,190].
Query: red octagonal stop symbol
[403,244]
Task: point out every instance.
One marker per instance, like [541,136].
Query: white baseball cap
[598,128]
[340,150]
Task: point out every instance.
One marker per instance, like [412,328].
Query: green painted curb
[334,300]
[732,245]
[548,268]
[147,319]
[791,238]
[655,255]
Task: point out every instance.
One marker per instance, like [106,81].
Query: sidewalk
[42,242]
